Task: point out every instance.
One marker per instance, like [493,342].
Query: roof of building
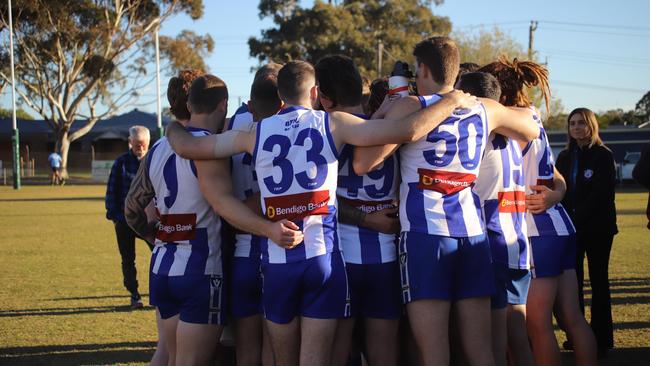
[115,127]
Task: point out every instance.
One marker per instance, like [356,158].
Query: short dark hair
[465,68]
[295,79]
[177,90]
[339,80]
[206,93]
[441,57]
[264,90]
[480,84]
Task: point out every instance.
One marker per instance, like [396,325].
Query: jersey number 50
[454,145]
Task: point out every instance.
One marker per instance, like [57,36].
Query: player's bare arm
[216,186]
[209,147]
[513,122]
[545,197]
[369,158]
[349,129]
[139,197]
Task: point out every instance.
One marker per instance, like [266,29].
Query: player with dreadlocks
[550,230]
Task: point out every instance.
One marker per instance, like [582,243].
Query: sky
[598,52]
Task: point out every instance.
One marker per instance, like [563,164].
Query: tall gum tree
[78,61]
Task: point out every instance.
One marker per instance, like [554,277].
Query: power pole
[531,33]
[380,53]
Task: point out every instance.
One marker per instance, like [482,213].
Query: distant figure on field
[55,163]
[124,169]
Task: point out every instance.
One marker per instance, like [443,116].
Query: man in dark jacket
[641,174]
[124,169]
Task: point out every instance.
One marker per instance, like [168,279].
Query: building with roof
[105,141]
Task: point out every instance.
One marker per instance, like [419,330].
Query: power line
[592,25]
[491,24]
[596,86]
[594,61]
[597,55]
[597,32]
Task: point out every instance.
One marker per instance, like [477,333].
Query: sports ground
[62,300]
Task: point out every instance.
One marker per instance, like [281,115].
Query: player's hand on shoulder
[461,99]
[286,234]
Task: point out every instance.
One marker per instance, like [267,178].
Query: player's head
[582,126]
[265,101]
[466,68]
[480,84]
[378,91]
[437,61]
[514,77]
[339,82]
[297,83]
[177,90]
[365,93]
[139,138]
[209,95]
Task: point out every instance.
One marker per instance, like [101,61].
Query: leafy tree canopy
[352,28]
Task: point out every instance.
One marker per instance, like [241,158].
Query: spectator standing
[122,173]
[588,166]
[55,163]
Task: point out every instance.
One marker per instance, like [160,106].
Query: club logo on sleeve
[297,206]
[444,182]
[513,201]
[177,227]
[368,206]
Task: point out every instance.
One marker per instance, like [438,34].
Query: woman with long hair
[591,177]
[551,233]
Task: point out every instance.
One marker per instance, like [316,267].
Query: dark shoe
[567,345]
[136,302]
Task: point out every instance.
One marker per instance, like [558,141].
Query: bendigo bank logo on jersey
[444,182]
[297,206]
[510,202]
[369,206]
[177,227]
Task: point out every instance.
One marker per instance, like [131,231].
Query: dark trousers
[126,245]
[597,247]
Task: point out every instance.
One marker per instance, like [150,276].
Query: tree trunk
[64,143]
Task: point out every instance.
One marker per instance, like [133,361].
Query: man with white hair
[124,169]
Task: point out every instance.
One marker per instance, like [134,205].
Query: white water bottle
[398,82]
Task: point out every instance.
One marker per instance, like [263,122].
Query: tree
[86,59]
[352,28]
[643,106]
[20,114]
[487,45]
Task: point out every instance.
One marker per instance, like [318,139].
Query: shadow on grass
[69,311]
[93,297]
[616,357]
[78,354]
[618,290]
[630,211]
[639,281]
[89,198]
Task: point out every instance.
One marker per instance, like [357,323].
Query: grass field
[62,301]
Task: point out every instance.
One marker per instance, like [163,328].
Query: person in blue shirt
[55,163]
[119,181]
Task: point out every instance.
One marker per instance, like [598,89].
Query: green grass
[62,300]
